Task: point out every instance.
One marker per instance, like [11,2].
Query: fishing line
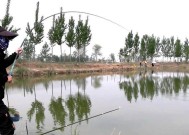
[81,121]
[80,12]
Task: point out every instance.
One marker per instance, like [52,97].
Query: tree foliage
[7,20]
[44,54]
[36,33]
[28,49]
[70,36]
[97,51]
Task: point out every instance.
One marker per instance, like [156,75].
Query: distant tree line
[149,47]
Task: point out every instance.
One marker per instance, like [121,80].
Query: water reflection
[58,111]
[56,102]
[37,109]
[149,85]
[96,81]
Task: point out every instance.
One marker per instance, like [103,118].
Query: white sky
[159,17]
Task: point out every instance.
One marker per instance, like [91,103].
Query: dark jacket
[4,63]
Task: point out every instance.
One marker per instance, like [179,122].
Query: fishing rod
[81,121]
[80,12]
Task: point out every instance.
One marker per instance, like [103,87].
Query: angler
[6,124]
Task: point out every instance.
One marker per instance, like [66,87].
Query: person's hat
[7,34]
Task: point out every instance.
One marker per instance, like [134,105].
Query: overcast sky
[159,17]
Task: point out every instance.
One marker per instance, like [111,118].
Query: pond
[148,103]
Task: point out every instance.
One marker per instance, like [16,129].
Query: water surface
[151,104]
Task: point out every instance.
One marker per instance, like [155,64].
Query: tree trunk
[61,53]
[52,54]
[70,54]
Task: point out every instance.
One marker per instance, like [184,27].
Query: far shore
[39,68]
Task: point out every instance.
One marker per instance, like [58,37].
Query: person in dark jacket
[6,124]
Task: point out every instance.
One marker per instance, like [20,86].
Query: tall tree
[28,49]
[36,33]
[44,54]
[51,36]
[60,30]
[97,51]
[186,49]
[70,36]
[112,57]
[168,48]
[163,47]
[151,46]
[143,48]
[86,36]
[79,41]
[129,40]
[172,46]
[129,43]
[136,43]
[178,49]
[157,47]
[7,20]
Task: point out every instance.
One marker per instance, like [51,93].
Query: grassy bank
[39,68]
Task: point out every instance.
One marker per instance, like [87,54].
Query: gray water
[150,104]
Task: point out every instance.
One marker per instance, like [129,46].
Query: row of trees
[78,35]
[72,34]
[149,47]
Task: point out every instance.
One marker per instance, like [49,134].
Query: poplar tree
[136,44]
[128,49]
[59,31]
[86,36]
[157,47]
[172,46]
[143,48]
[151,46]
[51,36]
[97,51]
[112,57]
[7,20]
[79,42]
[168,48]
[28,49]
[178,49]
[70,37]
[44,54]
[36,33]
[163,47]
[186,49]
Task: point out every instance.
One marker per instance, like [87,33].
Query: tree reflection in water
[149,86]
[83,106]
[58,111]
[38,109]
[70,103]
[96,81]
[66,107]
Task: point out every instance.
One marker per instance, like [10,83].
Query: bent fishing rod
[80,12]
[81,121]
